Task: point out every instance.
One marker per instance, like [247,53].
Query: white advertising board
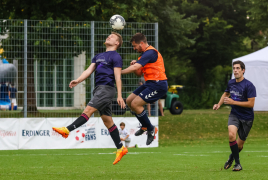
[37,133]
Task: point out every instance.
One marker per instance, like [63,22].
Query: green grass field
[193,145]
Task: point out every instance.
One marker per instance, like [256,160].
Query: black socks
[144,120]
[115,136]
[78,122]
[235,151]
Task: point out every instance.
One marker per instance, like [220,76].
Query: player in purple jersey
[242,100]
[107,67]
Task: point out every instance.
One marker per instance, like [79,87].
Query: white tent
[257,72]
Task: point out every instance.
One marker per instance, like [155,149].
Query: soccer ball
[117,22]
[80,136]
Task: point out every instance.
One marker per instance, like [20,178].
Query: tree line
[198,39]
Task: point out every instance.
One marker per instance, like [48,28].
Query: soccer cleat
[119,154]
[140,131]
[63,131]
[151,136]
[237,167]
[228,163]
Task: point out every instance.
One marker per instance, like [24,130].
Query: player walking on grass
[242,100]
[108,66]
[151,65]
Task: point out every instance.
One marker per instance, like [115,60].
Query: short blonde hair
[119,38]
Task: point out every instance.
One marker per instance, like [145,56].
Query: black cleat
[151,136]
[237,167]
[140,131]
[229,163]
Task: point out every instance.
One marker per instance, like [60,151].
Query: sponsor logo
[105,132]
[151,95]
[30,133]
[90,134]
[132,131]
[4,133]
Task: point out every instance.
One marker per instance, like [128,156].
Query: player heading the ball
[107,67]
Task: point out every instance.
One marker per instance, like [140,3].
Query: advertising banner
[37,133]
[9,133]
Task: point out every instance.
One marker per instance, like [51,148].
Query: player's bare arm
[132,68]
[137,72]
[83,76]
[224,95]
[247,104]
[118,81]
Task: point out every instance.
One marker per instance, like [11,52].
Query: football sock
[235,151]
[78,122]
[115,136]
[144,120]
[142,123]
[231,155]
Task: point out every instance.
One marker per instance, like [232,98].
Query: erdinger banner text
[37,133]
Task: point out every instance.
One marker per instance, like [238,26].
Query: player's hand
[133,62]
[228,101]
[121,139]
[216,106]
[121,102]
[73,83]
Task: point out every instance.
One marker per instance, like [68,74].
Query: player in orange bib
[151,65]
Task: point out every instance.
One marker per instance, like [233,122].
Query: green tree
[258,15]
[222,28]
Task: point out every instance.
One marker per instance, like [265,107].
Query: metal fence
[40,58]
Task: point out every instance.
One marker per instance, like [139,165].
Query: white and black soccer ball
[117,22]
[80,136]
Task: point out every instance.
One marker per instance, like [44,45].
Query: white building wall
[80,89]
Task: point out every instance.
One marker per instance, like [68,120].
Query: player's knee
[89,111]
[133,105]
[128,101]
[232,136]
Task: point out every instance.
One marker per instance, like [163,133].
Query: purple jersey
[241,91]
[105,64]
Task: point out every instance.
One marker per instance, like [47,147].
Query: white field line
[217,152]
[190,155]
[83,154]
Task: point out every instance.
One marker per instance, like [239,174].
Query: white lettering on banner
[4,133]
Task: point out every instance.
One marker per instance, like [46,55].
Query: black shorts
[243,126]
[102,99]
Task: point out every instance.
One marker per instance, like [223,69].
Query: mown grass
[193,145]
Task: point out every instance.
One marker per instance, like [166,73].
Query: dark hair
[122,124]
[138,37]
[242,65]
[119,38]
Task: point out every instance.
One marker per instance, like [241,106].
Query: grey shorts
[243,126]
[102,99]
